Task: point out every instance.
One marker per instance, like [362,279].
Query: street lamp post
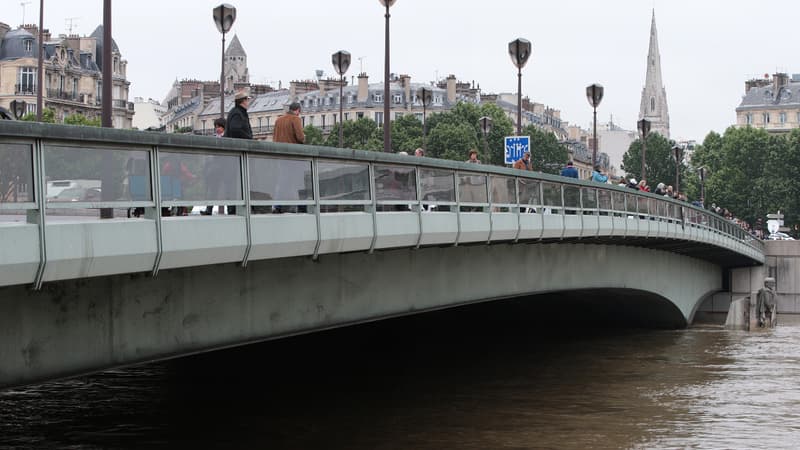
[678,151]
[224,16]
[425,95]
[702,172]
[594,93]
[644,128]
[387,126]
[520,50]
[40,64]
[341,61]
[486,128]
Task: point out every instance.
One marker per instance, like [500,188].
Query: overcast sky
[708,47]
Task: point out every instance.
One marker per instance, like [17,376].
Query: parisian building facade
[72,74]
[772,104]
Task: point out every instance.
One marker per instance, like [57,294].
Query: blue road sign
[516,146]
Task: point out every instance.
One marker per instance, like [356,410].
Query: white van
[56,186]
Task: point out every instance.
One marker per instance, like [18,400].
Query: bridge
[320,238]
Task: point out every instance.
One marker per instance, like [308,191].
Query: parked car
[77,194]
[779,236]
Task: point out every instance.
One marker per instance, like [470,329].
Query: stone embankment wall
[783,264]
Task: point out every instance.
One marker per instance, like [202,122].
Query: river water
[476,378]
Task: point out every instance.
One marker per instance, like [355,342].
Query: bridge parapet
[294,200]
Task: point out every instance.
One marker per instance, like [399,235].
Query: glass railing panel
[619,200]
[472,188]
[604,200]
[437,185]
[343,181]
[589,198]
[572,197]
[551,194]
[631,202]
[280,185]
[16,174]
[503,190]
[195,178]
[84,177]
[395,183]
[529,192]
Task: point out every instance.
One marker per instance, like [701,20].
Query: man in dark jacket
[239,124]
[238,120]
[569,171]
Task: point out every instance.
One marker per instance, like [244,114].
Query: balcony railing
[24,89]
[62,95]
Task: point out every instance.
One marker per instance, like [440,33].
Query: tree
[48,116]
[547,154]
[452,141]
[314,135]
[80,119]
[659,161]
[407,133]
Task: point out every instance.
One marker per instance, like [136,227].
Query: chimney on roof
[779,80]
[4,28]
[405,81]
[363,87]
[451,88]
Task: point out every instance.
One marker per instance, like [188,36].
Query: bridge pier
[78,326]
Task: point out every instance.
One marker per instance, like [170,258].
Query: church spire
[654,96]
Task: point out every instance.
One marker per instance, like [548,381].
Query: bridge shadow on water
[435,380]
[319,390]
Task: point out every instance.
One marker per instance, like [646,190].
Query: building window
[652,104]
[766,118]
[360,115]
[27,79]
[398,99]
[346,116]
[397,115]
[782,117]
[28,45]
[378,98]
[748,119]
[311,120]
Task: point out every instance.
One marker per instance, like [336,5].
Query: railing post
[245,184]
[518,210]
[40,218]
[419,205]
[155,213]
[371,168]
[456,183]
[488,179]
[317,196]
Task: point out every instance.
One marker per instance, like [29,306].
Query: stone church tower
[654,96]
[236,73]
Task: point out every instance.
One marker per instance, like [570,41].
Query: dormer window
[28,43]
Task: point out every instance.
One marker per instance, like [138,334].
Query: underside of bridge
[79,326]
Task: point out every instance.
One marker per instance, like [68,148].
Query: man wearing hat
[238,120]
[289,127]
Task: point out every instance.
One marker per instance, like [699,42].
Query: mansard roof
[766,96]
[13,45]
[98,35]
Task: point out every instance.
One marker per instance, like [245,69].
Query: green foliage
[407,133]
[48,116]
[186,129]
[314,135]
[751,172]
[547,154]
[80,119]
[659,161]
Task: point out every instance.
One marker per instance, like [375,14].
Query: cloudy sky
[708,47]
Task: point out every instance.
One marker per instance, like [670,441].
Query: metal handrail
[665,210]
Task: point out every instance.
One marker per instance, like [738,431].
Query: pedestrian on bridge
[289,127]
[524,163]
[569,171]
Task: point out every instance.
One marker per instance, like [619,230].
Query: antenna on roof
[69,24]
[23,10]
[361,64]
